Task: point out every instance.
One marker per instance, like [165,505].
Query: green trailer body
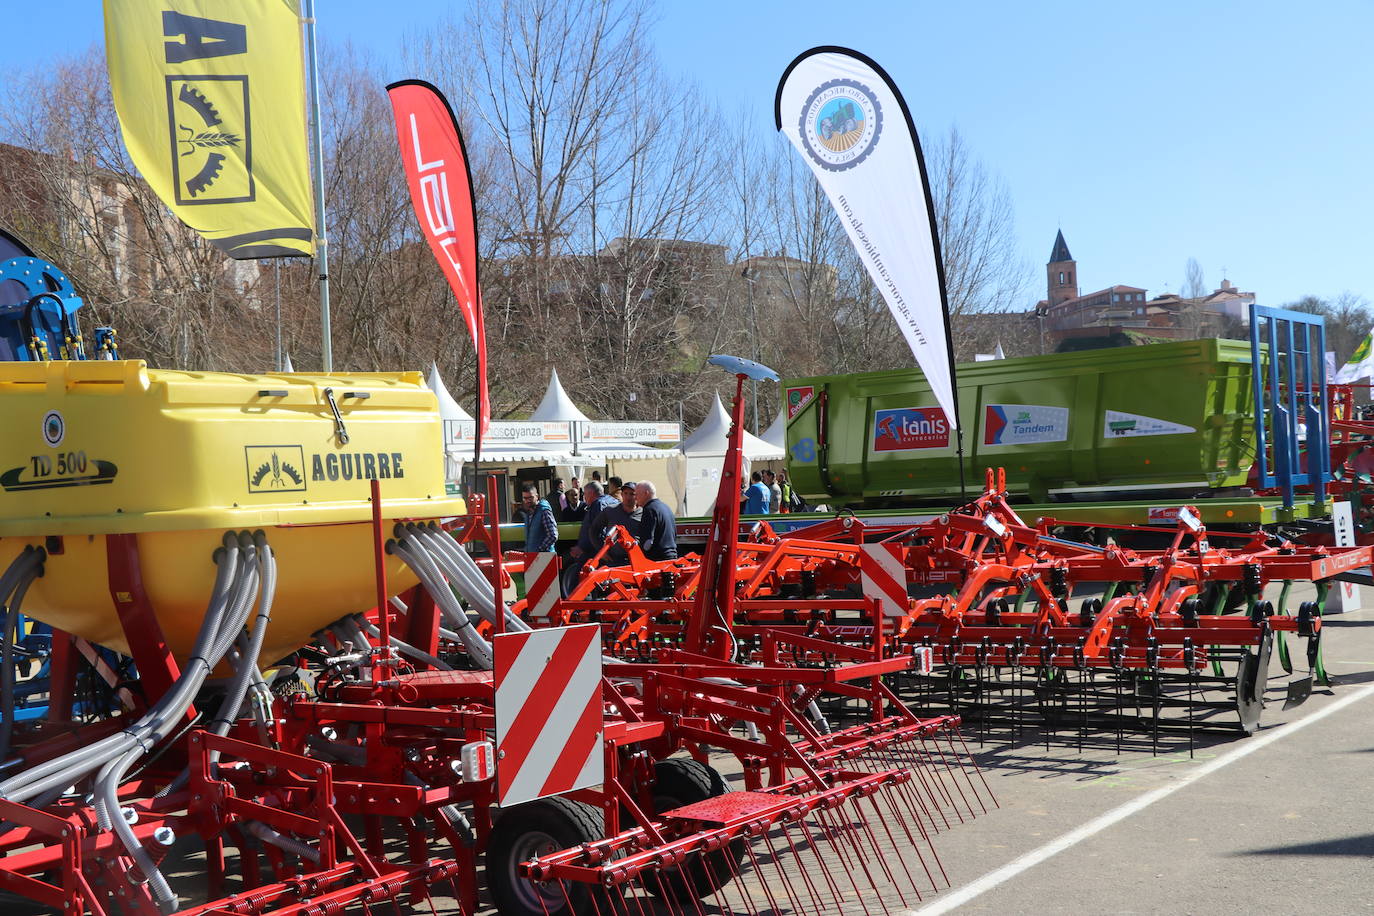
[1162,417]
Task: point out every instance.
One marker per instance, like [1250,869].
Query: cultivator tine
[737,875]
[886,818]
[796,859]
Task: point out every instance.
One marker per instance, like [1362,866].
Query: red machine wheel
[531,830]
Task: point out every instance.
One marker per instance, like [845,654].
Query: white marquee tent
[458,449]
[698,471]
[776,434]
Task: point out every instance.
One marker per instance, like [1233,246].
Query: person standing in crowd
[589,537]
[657,527]
[770,480]
[757,496]
[788,494]
[573,506]
[613,486]
[541,530]
[627,515]
[556,500]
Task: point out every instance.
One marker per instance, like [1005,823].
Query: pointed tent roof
[1061,249]
[449,409]
[776,434]
[286,364]
[557,406]
[712,437]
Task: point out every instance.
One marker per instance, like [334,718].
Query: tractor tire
[534,829]
[680,781]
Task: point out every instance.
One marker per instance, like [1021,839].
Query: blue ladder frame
[1290,400]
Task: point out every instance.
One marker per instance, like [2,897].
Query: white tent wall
[701,483]
[659,470]
[704,455]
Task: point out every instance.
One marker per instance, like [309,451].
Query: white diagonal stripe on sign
[890,563]
[544,574]
[872,589]
[592,771]
[518,682]
[553,737]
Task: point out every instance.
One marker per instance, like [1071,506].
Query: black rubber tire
[529,830]
[682,781]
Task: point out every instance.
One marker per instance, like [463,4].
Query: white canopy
[620,451]
[712,437]
[449,409]
[697,476]
[504,453]
[776,434]
[557,407]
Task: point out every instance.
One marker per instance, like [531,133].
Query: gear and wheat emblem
[208,136]
[275,468]
[210,149]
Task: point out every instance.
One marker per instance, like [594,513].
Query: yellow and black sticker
[60,469]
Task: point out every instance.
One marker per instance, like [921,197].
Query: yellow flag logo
[191,81]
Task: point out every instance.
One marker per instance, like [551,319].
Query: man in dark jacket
[657,527]
[626,515]
[589,538]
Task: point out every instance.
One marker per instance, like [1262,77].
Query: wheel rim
[537,897]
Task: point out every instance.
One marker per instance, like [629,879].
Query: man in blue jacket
[541,530]
[756,498]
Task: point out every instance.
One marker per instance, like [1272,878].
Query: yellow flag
[211,100]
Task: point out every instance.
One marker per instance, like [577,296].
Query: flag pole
[321,235]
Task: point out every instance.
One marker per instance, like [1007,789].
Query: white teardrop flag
[847,119]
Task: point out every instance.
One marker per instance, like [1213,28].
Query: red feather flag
[440,182]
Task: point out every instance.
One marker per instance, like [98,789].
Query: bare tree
[1194,285]
[1348,320]
[598,188]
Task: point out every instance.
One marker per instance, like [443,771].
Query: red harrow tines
[1149,638]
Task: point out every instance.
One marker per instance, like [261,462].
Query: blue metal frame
[1290,400]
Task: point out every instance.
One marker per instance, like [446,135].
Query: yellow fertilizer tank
[176,459]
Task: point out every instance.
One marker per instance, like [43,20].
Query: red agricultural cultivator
[294,756]
[1004,621]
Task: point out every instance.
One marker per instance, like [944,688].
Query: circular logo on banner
[840,124]
[54,428]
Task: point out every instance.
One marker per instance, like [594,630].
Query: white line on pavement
[1098,824]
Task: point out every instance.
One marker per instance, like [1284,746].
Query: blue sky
[1237,133]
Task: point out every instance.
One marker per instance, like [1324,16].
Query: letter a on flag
[436,166]
[211,102]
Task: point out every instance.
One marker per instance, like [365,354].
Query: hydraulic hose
[67,769]
[418,559]
[22,571]
[410,651]
[198,667]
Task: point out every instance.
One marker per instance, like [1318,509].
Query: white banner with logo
[848,121]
